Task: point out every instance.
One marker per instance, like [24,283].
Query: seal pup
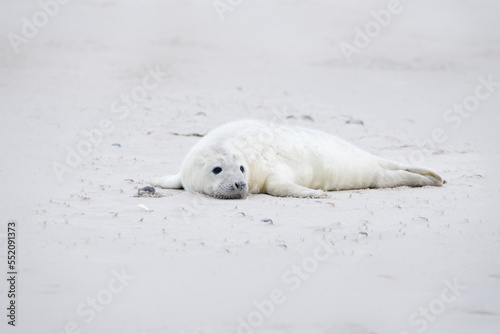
[255,157]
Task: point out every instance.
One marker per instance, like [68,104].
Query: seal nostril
[240,185]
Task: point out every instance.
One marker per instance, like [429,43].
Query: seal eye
[242,169]
[216,170]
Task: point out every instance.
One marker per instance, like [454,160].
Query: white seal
[258,157]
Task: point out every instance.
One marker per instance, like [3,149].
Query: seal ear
[169,181]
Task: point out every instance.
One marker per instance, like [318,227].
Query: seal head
[216,171]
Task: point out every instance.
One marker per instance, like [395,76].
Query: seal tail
[433,177]
[169,181]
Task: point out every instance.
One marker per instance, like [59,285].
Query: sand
[90,104]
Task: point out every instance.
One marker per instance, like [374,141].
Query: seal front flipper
[169,181]
[276,185]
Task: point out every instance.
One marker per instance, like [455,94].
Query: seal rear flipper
[437,180]
[169,182]
[415,176]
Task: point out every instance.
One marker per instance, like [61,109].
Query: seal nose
[240,185]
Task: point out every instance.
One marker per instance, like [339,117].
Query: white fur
[286,161]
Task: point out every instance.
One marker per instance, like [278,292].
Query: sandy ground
[90,260]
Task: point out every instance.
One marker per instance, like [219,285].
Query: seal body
[258,157]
